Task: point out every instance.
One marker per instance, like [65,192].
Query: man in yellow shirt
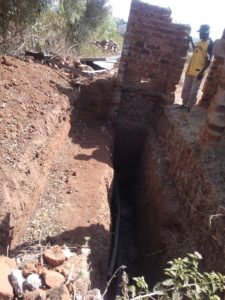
[200,60]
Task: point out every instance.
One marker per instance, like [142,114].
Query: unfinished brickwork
[154,49]
[153,56]
[214,99]
[199,182]
[213,80]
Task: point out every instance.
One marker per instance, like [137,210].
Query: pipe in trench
[114,255]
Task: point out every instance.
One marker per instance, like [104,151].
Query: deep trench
[128,148]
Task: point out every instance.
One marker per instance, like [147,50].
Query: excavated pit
[171,194]
[168,194]
[139,200]
[128,147]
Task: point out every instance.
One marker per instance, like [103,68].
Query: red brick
[164,42]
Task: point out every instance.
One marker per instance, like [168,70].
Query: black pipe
[112,263]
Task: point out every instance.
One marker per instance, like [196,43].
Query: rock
[62,271]
[6,61]
[17,281]
[60,293]
[83,67]
[28,269]
[54,256]
[41,270]
[53,279]
[6,267]
[35,295]
[33,282]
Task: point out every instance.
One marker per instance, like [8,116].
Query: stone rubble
[30,281]
[108,45]
[17,281]
[53,279]
[33,281]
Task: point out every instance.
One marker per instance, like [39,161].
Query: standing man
[200,60]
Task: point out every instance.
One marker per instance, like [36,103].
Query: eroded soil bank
[56,169]
[34,123]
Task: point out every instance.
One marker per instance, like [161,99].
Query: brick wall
[152,60]
[198,179]
[154,49]
[213,80]
[214,99]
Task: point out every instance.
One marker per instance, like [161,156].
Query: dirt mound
[33,112]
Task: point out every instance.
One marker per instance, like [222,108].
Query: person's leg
[186,88]
[193,93]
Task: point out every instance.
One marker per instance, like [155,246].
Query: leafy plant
[183,281]
[15,19]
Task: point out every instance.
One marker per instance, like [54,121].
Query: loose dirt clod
[28,269]
[54,256]
[53,279]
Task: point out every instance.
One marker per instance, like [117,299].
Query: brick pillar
[213,79]
[214,128]
[153,54]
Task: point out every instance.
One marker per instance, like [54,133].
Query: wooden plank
[93,59]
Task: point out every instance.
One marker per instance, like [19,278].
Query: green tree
[15,17]
[89,19]
[76,24]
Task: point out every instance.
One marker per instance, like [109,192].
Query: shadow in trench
[89,111]
[5,234]
[129,143]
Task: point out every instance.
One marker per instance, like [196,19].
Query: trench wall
[179,198]
[95,98]
[31,138]
[199,184]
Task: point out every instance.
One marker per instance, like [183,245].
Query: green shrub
[183,281]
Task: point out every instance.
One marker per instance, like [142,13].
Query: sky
[193,12]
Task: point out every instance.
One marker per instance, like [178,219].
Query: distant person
[200,60]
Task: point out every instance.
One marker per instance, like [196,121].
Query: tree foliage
[75,24]
[15,16]
[87,19]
